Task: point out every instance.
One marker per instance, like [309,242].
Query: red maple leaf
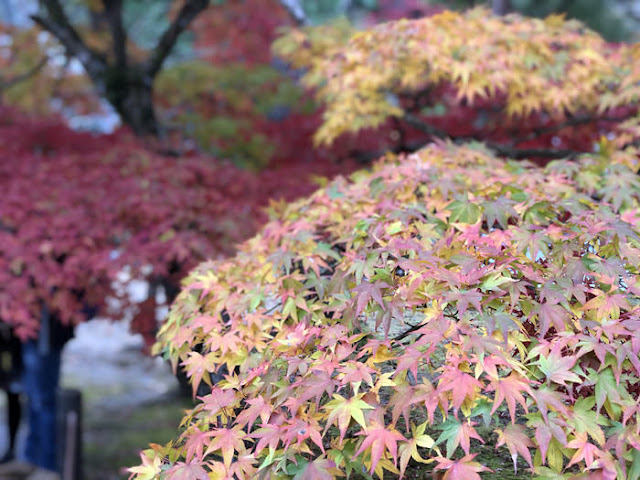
[517,442]
[510,389]
[460,384]
[228,441]
[463,469]
[379,438]
[187,471]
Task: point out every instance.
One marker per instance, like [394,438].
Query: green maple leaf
[463,211]
[457,433]
[494,281]
[586,420]
[557,368]
[499,211]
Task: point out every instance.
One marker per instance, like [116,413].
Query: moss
[114,438]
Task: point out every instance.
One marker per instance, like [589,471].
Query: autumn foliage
[78,210]
[446,299]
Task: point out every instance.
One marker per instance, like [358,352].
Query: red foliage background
[78,208]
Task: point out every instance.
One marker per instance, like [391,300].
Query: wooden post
[69,434]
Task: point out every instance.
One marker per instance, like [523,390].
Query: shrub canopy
[445,299]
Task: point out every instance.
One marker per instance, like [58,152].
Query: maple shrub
[444,300]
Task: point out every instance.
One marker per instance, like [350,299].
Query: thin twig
[6,84]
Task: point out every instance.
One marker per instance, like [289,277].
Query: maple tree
[445,298]
[125,80]
[82,215]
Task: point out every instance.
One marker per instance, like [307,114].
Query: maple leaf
[269,434]
[499,210]
[367,291]
[517,441]
[258,407]
[150,468]
[607,306]
[464,298]
[551,316]
[557,368]
[314,385]
[219,401]
[198,367]
[546,429]
[409,450]
[510,389]
[243,466]
[461,385]
[546,397]
[187,471]
[585,451]
[457,433]
[342,410]
[464,211]
[319,469]
[584,420]
[378,439]
[228,441]
[196,443]
[462,469]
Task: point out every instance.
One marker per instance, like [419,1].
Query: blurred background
[72,93]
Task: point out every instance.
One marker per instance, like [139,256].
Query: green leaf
[463,211]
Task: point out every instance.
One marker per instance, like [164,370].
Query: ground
[129,399]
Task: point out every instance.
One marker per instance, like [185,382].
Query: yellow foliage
[528,65]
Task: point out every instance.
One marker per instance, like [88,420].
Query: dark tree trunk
[127,87]
[500,7]
[130,92]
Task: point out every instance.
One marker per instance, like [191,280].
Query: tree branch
[425,127]
[509,151]
[522,153]
[113,13]
[5,84]
[190,10]
[296,11]
[57,23]
[570,122]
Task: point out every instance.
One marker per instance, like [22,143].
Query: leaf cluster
[516,71]
[419,298]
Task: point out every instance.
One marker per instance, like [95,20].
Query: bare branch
[506,150]
[5,84]
[57,23]
[113,13]
[424,127]
[522,153]
[296,11]
[190,10]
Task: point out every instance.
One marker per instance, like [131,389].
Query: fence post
[69,434]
